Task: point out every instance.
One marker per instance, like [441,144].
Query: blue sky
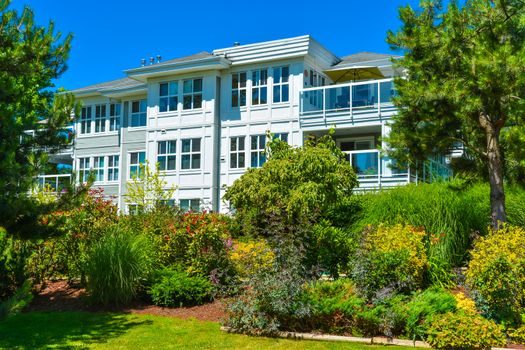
[113,35]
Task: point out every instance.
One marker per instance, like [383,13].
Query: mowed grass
[70,330]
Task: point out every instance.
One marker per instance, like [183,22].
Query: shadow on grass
[63,330]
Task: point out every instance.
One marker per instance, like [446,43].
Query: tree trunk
[495,164]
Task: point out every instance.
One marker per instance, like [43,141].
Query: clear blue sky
[113,35]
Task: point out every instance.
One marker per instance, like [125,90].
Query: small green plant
[16,302]
[177,288]
[464,331]
[118,264]
[423,307]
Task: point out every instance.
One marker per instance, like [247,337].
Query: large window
[191,154]
[192,94]
[100,118]
[280,84]
[83,169]
[135,160]
[283,136]
[114,116]
[190,204]
[113,168]
[168,93]
[98,168]
[258,145]
[237,152]
[85,120]
[259,87]
[138,113]
[239,89]
[166,155]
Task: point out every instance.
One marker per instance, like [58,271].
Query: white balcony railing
[346,103]
[54,183]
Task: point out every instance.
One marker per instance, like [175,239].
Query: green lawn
[37,330]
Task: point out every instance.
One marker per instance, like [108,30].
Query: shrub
[517,335]
[251,257]
[198,241]
[177,288]
[118,264]
[497,271]
[16,302]
[334,247]
[390,257]
[460,331]
[423,307]
[14,255]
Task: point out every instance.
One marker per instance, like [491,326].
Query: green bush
[497,272]
[16,302]
[334,247]
[423,307]
[250,257]
[464,331]
[391,258]
[14,255]
[118,264]
[177,288]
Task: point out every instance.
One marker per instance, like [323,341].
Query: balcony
[346,104]
[376,172]
[54,183]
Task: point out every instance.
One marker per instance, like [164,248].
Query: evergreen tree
[465,82]
[31,57]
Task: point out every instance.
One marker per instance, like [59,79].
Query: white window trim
[253,87]
[191,153]
[168,96]
[128,168]
[175,153]
[257,150]
[139,127]
[237,152]
[119,168]
[192,94]
[117,117]
[239,89]
[103,118]
[280,84]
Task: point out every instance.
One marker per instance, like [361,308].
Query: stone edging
[340,338]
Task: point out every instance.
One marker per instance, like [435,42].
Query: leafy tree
[305,181]
[465,82]
[31,56]
[147,189]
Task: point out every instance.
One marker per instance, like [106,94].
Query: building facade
[203,118]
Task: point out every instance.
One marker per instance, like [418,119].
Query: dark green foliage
[463,62]
[177,288]
[14,255]
[31,56]
[423,306]
[118,264]
[16,302]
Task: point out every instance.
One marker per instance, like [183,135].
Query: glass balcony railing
[54,183]
[350,99]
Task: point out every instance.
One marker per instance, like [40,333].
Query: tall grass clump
[449,214]
[118,264]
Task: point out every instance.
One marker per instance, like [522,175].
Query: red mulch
[61,296]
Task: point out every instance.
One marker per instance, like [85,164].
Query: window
[98,168]
[258,145]
[113,167]
[191,154]
[138,113]
[100,118]
[85,120]
[190,204]
[168,202]
[166,157]
[280,84]
[169,98]
[357,145]
[114,116]
[135,160]
[283,136]
[259,87]
[239,89]
[83,169]
[135,209]
[237,153]
[192,94]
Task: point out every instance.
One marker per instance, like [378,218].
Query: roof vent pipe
[158,58]
[151,60]
[143,62]
[236,43]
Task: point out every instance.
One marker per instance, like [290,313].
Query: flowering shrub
[390,257]
[497,271]
[198,241]
[459,330]
[251,257]
[464,303]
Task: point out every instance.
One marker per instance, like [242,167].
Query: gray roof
[122,83]
[366,58]
[197,56]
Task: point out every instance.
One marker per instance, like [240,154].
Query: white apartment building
[203,118]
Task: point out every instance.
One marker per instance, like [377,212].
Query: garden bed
[61,296]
